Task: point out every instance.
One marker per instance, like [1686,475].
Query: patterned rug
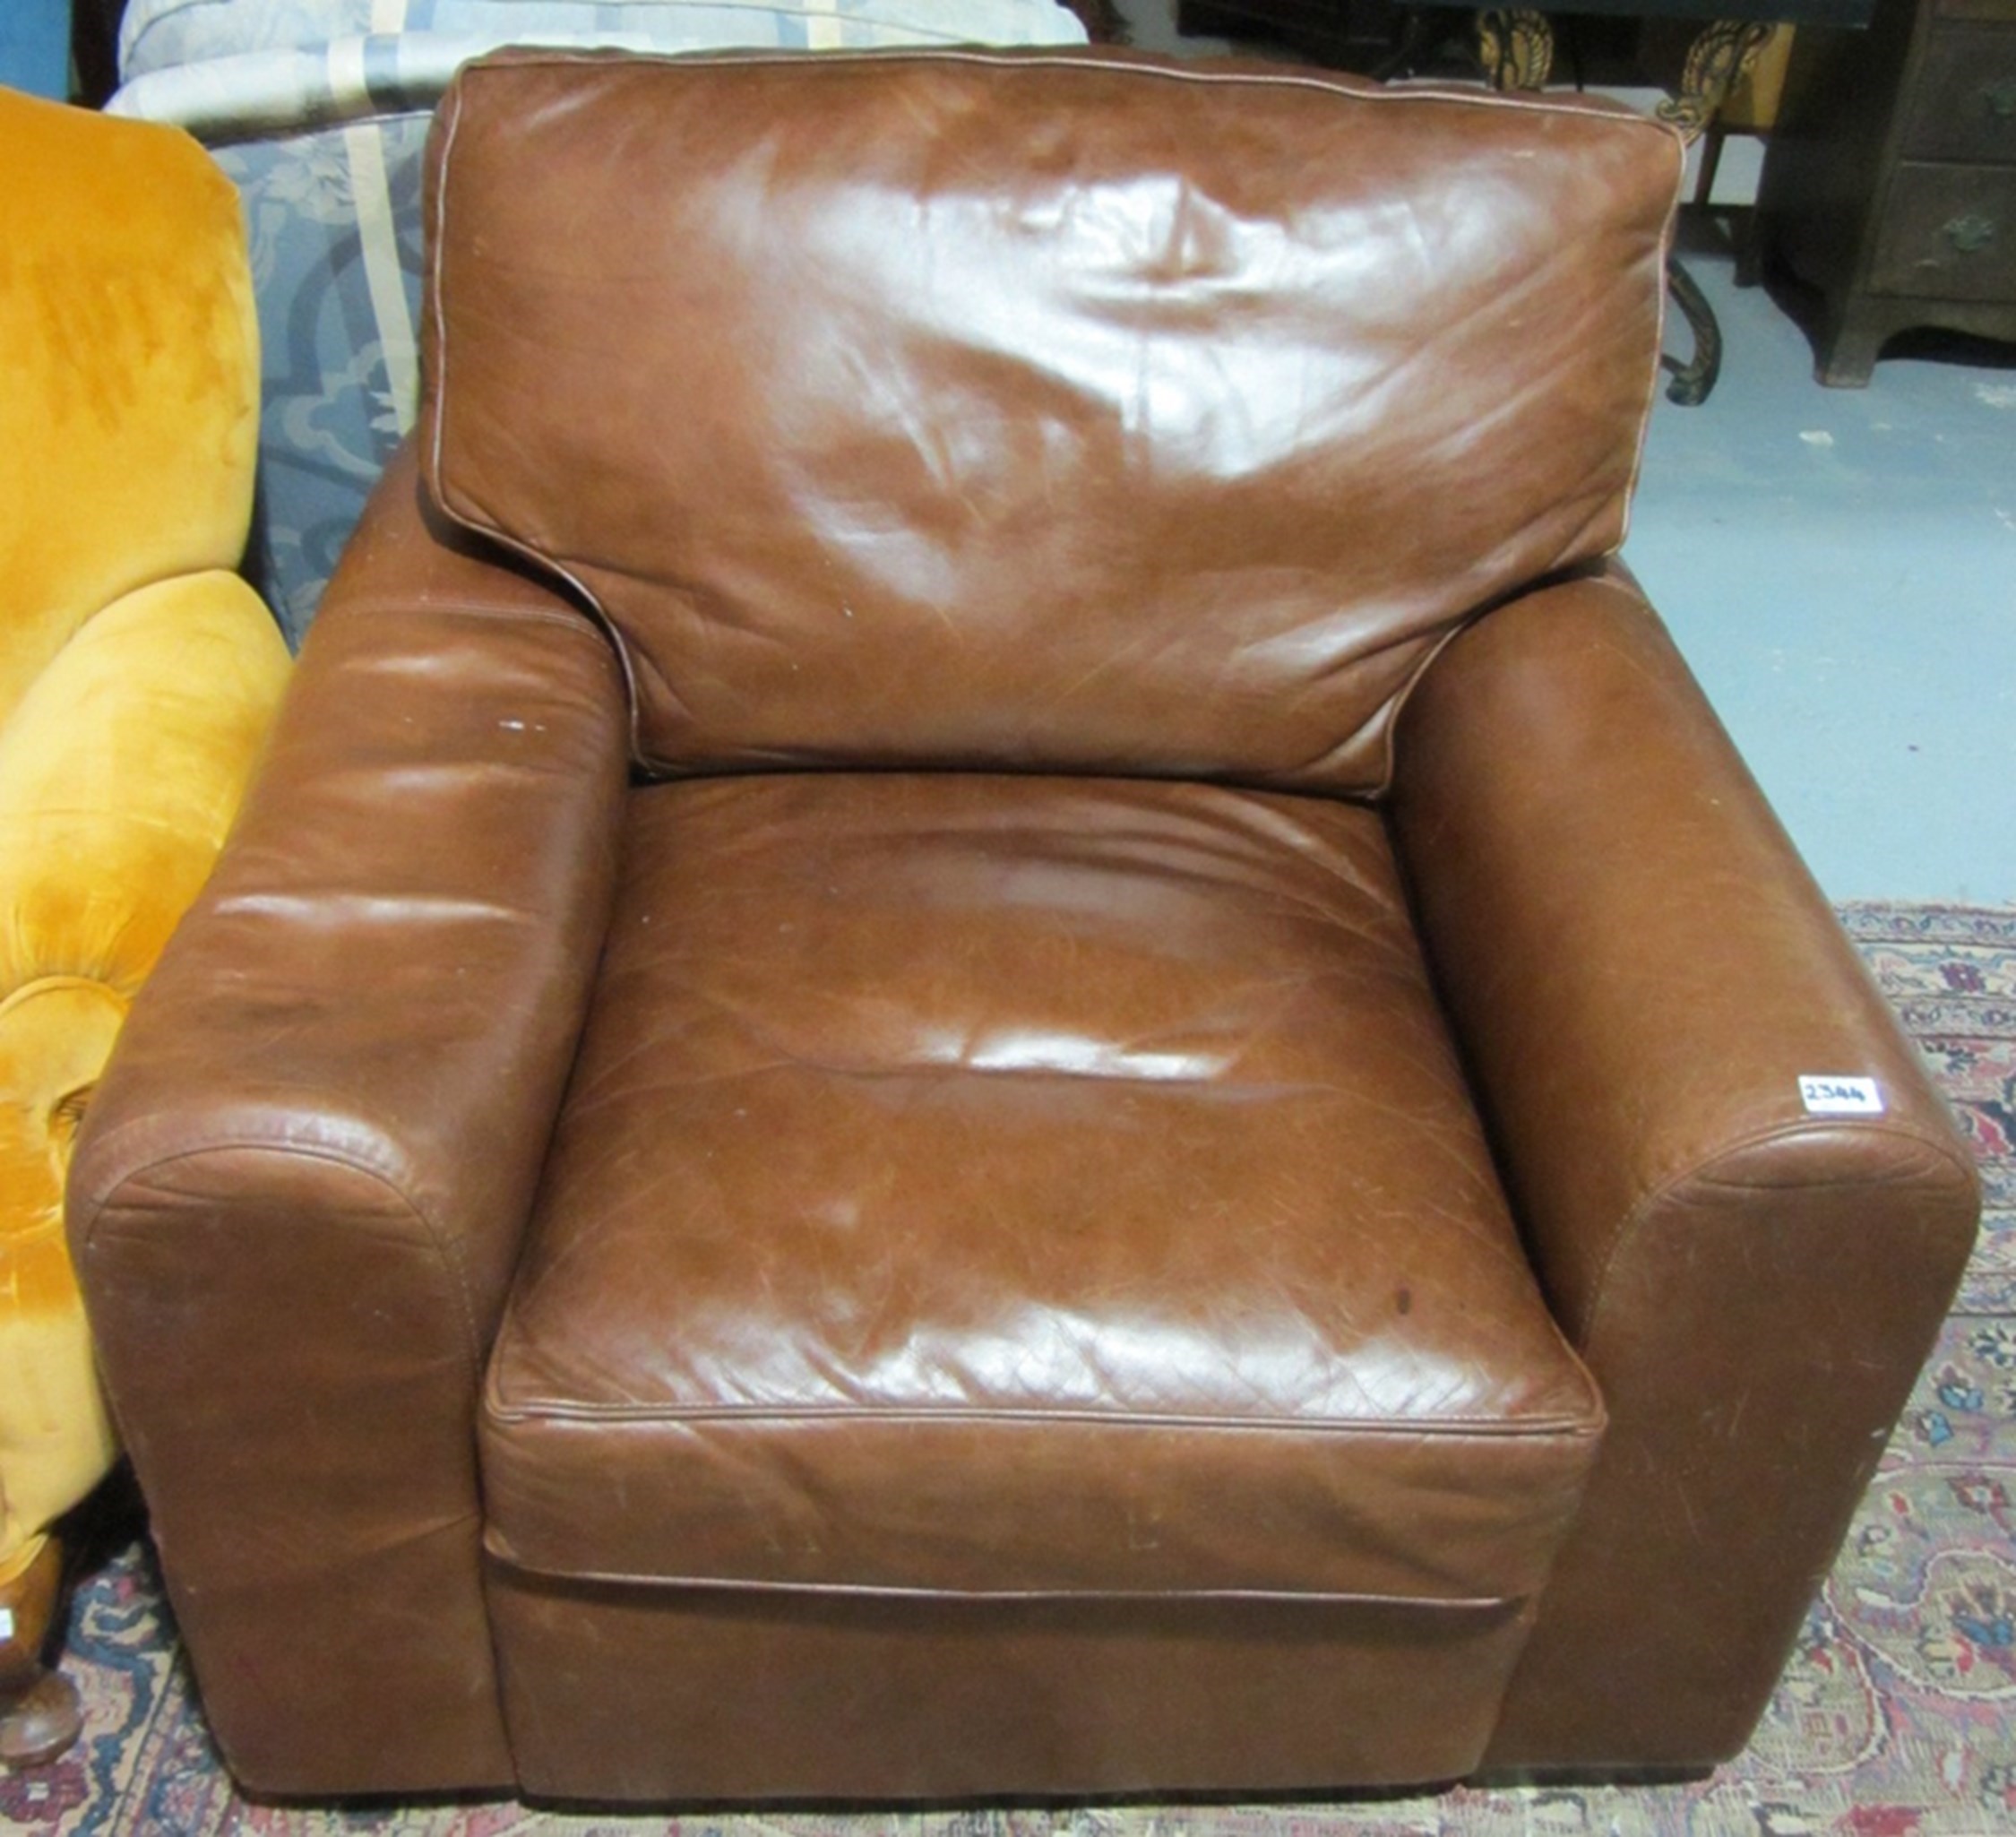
[1897,1716]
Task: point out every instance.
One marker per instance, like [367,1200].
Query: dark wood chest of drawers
[1889,182]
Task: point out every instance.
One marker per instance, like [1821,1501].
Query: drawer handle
[2001,98]
[1970,234]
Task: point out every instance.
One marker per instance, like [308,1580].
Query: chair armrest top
[386,973]
[1639,966]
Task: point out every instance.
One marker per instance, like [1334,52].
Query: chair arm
[120,770]
[298,1199]
[1640,971]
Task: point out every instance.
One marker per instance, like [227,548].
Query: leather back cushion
[1057,411]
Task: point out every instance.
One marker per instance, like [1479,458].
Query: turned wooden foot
[40,1714]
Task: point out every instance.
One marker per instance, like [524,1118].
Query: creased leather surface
[998,1183]
[1035,411]
[298,1196]
[1640,971]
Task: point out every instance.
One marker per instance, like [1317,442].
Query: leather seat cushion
[989,1185]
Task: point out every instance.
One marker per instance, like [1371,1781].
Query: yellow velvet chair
[138,676]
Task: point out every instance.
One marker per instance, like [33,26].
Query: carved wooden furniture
[1889,183]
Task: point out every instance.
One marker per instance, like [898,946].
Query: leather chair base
[646,1693]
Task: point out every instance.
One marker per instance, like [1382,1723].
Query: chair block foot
[40,1712]
[40,1723]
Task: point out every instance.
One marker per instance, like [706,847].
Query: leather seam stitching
[553,1414]
[1283,1596]
[1627,120]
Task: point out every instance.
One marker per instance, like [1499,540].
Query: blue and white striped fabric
[318,109]
[226,69]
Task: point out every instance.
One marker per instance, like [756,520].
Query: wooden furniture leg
[40,1715]
[1721,54]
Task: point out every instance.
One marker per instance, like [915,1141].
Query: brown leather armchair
[994,1020]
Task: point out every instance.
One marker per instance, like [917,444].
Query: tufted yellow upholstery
[138,676]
